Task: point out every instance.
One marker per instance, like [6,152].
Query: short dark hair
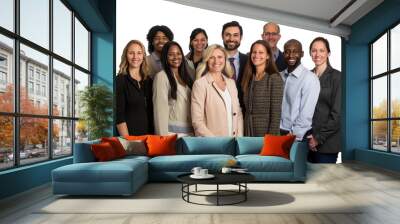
[231,24]
[293,41]
[152,33]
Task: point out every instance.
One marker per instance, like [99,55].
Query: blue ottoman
[118,177]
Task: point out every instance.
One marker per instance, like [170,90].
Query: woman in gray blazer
[324,142]
[262,88]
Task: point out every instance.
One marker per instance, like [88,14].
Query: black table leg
[245,193]
[217,194]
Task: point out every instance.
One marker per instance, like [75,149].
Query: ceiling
[327,16]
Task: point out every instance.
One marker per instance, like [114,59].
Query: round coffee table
[238,179]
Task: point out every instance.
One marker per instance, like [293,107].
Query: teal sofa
[125,176]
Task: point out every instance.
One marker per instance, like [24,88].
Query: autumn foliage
[33,130]
[380,127]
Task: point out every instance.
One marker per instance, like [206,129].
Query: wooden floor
[377,188]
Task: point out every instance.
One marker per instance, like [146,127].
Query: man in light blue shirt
[300,94]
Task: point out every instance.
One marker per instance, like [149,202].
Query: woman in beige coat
[171,93]
[215,105]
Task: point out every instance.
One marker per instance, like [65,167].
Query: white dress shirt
[228,106]
[300,97]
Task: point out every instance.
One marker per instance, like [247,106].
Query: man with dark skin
[300,94]
[157,37]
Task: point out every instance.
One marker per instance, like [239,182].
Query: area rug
[167,198]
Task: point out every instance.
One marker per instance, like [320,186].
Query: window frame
[388,74]
[16,114]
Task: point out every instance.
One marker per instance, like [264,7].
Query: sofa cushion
[207,145]
[161,145]
[134,147]
[128,159]
[103,152]
[277,145]
[185,163]
[249,145]
[118,171]
[136,137]
[257,163]
[116,145]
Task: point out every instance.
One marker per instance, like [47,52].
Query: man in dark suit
[271,34]
[232,34]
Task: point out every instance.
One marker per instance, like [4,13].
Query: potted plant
[96,104]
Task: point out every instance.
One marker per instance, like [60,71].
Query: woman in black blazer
[134,92]
[324,142]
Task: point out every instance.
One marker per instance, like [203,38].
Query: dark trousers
[318,157]
[315,157]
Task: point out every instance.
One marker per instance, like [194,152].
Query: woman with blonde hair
[134,107]
[215,105]
[262,86]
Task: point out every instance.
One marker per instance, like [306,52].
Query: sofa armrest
[83,152]
[298,155]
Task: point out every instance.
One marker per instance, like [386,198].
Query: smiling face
[174,57]
[292,55]
[271,35]
[135,56]
[216,62]
[319,53]
[231,38]
[159,40]
[259,55]
[199,42]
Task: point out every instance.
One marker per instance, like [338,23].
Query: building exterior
[34,80]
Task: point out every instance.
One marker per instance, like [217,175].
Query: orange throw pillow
[116,145]
[277,145]
[103,152]
[161,145]
[135,138]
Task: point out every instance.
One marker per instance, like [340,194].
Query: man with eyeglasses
[271,34]
[300,94]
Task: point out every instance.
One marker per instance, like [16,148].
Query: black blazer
[280,62]
[134,104]
[242,60]
[326,119]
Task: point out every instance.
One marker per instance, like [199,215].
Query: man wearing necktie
[232,34]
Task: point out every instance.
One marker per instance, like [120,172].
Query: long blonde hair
[124,65]
[202,69]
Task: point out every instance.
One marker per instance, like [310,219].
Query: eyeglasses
[270,34]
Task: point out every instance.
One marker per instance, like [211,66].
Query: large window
[385,91]
[44,64]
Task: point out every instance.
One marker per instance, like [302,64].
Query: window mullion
[50,81]
[389,106]
[73,82]
[16,83]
